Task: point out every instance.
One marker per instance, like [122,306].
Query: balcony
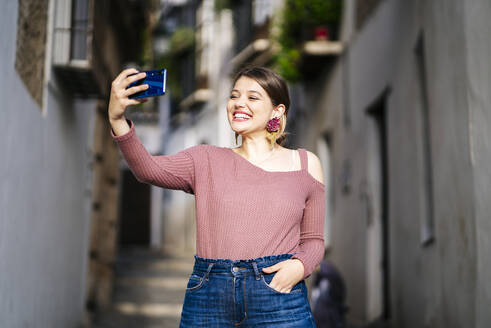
[258,52]
[322,48]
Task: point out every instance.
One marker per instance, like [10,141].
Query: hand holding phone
[156,81]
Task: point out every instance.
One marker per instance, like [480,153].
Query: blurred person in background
[328,297]
[259,207]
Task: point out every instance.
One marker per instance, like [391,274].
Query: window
[378,238]
[76,67]
[71,28]
[80,28]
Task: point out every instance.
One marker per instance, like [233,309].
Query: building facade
[60,169]
[402,119]
[396,107]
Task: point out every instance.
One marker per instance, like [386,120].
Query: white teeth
[239,115]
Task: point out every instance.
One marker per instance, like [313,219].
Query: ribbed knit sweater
[242,210]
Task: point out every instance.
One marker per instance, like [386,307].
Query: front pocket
[267,278]
[195,282]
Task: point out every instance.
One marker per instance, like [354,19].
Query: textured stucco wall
[31,45]
[44,198]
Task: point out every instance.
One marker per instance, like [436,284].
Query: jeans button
[235,269]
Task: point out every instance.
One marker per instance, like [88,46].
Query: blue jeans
[236,293]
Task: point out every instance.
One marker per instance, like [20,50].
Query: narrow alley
[105,200]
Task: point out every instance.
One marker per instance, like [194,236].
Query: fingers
[272,268]
[287,275]
[280,287]
[133,90]
[125,78]
[283,287]
[137,101]
[132,78]
[119,87]
[124,74]
[278,284]
[118,100]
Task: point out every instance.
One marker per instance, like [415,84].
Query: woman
[259,207]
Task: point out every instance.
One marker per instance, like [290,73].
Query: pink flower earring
[273,124]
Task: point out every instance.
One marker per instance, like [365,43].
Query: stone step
[156,267]
[115,319]
[153,310]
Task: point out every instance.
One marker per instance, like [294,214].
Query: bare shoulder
[315,167]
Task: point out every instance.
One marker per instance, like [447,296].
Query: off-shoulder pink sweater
[242,210]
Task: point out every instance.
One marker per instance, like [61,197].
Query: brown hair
[277,90]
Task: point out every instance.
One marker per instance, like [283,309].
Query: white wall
[479,98]
[44,198]
[444,284]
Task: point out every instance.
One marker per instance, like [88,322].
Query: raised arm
[170,171]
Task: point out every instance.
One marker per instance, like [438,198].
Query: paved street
[149,290]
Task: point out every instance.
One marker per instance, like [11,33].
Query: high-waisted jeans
[236,293]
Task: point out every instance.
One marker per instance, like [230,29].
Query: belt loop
[256,271]
[208,271]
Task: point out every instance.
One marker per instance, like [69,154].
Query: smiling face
[249,107]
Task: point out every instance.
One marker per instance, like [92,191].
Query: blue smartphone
[156,81]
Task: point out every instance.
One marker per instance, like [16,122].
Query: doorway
[377,256]
[134,229]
